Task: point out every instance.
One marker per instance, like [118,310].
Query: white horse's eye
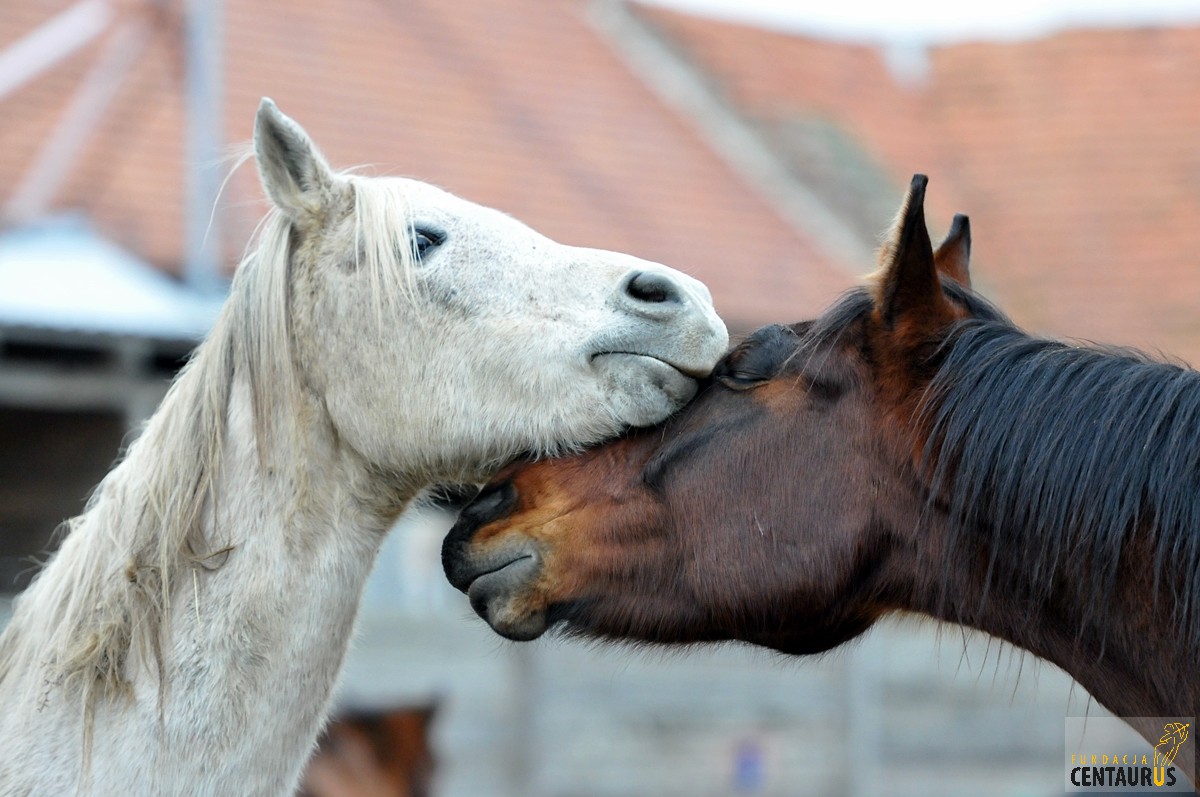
[423,240]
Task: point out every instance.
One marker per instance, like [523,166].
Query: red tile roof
[1077,157]
[520,104]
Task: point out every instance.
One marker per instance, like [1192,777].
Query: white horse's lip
[694,373]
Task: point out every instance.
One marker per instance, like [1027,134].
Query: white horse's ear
[294,174]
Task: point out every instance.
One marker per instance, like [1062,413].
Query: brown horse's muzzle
[497,571]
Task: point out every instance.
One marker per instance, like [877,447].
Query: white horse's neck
[252,638]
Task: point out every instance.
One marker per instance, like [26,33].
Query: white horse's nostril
[646,287]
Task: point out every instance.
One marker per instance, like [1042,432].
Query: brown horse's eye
[757,359]
[741,380]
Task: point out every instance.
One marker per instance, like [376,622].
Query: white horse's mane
[146,517]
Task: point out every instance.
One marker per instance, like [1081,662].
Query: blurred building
[765,164]
[1075,156]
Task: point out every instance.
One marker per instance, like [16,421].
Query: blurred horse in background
[373,754]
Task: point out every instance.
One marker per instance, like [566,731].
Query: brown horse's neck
[1131,657]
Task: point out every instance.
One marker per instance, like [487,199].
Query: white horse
[382,336]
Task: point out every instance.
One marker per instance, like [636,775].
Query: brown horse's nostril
[651,288]
[493,503]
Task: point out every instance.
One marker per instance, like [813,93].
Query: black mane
[1060,454]
[1057,454]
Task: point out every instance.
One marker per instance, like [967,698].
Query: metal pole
[202,237]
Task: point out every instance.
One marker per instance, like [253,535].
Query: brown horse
[910,450]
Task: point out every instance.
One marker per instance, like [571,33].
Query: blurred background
[763,150]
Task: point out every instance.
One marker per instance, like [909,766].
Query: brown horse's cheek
[575,565]
[564,576]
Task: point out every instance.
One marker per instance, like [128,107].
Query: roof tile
[1076,155]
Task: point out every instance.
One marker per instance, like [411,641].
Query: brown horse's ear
[953,256]
[908,282]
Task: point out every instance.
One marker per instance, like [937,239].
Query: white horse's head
[446,337]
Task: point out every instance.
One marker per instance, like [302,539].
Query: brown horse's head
[768,511]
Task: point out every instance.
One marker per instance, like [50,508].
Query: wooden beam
[51,42]
[56,159]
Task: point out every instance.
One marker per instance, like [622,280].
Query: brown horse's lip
[496,597]
[472,578]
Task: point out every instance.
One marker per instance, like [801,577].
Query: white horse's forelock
[114,601]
